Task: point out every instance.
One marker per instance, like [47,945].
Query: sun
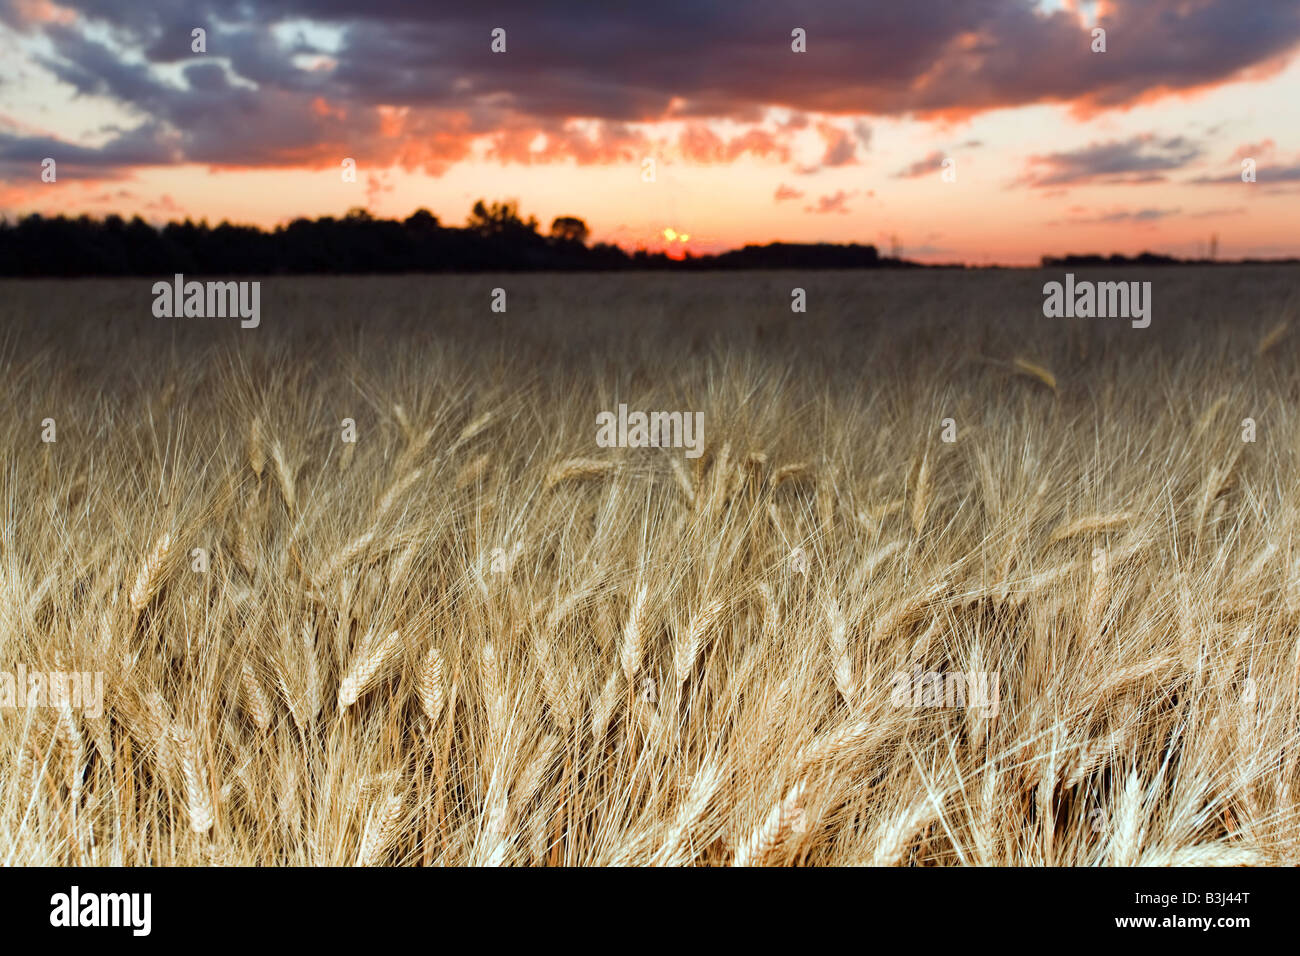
[676,243]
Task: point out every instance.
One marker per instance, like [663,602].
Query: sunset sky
[1055,148]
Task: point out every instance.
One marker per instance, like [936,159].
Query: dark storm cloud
[623,63]
[146,145]
[629,61]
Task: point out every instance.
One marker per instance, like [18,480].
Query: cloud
[634,62]
[841,146]
[251,101]
[165,204]
[699,144]
[1257,151]
[922,167]
[784,192]
[933,161]
[1122,215]
[1264,175]
[585,143]
[147,145]
[376,185]
[835,202]
[1141,159]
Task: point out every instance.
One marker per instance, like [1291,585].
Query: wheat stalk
[921,498]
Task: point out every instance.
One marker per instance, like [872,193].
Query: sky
[975,131]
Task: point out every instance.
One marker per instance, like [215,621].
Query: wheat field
[474,637]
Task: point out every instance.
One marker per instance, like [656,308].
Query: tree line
[495,238]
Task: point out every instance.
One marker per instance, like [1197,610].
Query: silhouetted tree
[500,218]
[421,221]
[569,229]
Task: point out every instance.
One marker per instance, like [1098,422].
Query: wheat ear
[841,663]
[631,655]
[256,447]
[379,831]
[1273,336]
[785,817]
[1089,524]
[430,686]
[577,469]
[284,475]
[259,707]
[688,650]
[602,707]
[366,668]
[1034,370]
[795,472]
[149,578]
[198,796]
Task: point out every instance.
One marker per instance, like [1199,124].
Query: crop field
[917,576]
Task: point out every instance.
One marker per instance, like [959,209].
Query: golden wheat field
[475,637]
